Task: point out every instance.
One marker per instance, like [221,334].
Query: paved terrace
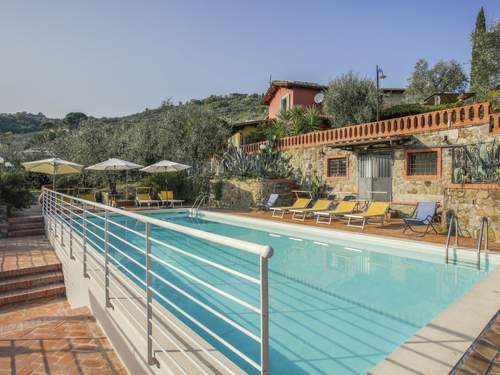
[391,228]
[47,336]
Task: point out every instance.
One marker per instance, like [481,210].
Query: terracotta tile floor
[392,228]
[24,252]
[48,337]
[483,357]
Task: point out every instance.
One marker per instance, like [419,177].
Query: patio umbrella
[53,166]
[165,166]
[116,165]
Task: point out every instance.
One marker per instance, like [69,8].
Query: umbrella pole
[54,181]
[126,184]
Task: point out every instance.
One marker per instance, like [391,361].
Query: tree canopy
[350,99]
[444,76]
[485,62]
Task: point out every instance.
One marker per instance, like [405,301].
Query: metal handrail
[453,220]
[484,222]
[64,214]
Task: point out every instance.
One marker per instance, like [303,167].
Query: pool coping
[437,347]
[440,345]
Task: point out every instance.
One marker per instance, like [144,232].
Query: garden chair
[343,208]
[273,198]
[319,205]
[300,203]
[374,210]
[143,196]
[423,215]
[167,197]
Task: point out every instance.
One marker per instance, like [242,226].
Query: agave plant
[237,163]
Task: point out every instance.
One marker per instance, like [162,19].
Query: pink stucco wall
[298,96]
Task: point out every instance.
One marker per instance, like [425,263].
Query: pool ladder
[198,202]
[482,235]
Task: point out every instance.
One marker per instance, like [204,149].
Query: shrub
[350,99]
[402,110]
[14,189]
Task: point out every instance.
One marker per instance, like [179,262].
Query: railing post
[71,228]
[84,214]
[149,297]
[61,208]
[264,317]
[106,260]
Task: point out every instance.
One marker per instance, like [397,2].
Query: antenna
[270,79]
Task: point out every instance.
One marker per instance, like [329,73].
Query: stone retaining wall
[243,194]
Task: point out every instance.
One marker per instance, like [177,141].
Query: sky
[112,58]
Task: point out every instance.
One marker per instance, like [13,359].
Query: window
[285,102]
[422,163]
[337,167]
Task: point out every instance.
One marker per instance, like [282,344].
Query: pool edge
[439,346]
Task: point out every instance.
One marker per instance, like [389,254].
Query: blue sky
[109,58]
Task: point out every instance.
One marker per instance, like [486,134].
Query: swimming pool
[337,306]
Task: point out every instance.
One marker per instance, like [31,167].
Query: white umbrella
[165,166]
[2,160]
[116,165]
[53,166]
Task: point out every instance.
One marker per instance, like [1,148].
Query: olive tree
[350,99]
[445,76]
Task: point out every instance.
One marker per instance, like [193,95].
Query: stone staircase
[29,267]
[26,223]
[25,226]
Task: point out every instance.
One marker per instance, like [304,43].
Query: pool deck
[392,228]
[47,335]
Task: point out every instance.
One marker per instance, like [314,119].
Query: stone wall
[407,190]
[243,194]
[471,205]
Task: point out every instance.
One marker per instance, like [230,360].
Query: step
[25,219]
[27,232]
[30,270]
[30,281]
[29,225]
[15,296]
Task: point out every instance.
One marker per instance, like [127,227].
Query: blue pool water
[335,308]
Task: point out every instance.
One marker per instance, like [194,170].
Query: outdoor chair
[107,198]
[300,203]
[167,197]
[319,205]
[424,214]
[273,198]
[143,197]
[343,208]
[375,210]
[87,196]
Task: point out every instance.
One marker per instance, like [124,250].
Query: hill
[232,108]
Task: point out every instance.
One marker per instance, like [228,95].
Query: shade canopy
[165,166]
[53,166]
[114,165]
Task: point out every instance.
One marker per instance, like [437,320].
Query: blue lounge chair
[424,215]
[273,198]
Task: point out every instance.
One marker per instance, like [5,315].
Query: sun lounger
[273,198]
[424,215]
[143,196]
[300,203]
[374,210]
[319,205]
[343,208]
[87,196]
[167,197]
[107,198]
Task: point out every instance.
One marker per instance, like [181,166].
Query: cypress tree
[479,71]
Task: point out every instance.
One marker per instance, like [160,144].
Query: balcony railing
[128,255]
[474,114]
